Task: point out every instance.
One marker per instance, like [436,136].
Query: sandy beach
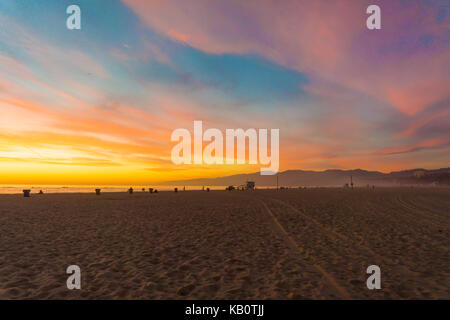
[263,244]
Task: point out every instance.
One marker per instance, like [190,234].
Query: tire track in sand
[294,246]
[357,246]
[361,247]
[411,209]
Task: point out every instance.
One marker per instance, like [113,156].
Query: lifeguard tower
[250,185]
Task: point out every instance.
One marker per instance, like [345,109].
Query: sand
[263,244]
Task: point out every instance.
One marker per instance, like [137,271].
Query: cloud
[326,39]
[437,143]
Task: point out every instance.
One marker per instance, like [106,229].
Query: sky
[98,105]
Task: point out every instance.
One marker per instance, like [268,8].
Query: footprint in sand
[184,291]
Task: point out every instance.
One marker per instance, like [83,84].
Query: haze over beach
[224,149]
[331,178]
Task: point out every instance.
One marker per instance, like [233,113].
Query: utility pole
[277,180]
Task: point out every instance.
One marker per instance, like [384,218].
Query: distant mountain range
[329,178]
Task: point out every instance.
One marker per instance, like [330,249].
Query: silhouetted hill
[329,178]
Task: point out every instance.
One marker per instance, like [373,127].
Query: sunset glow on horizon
[98,105]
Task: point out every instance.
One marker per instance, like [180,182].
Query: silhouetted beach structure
[130,191]
[26,193]
[97,191]
[250,185]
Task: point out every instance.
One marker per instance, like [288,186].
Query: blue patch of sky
[110,25]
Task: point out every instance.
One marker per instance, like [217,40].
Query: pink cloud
[325,39]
